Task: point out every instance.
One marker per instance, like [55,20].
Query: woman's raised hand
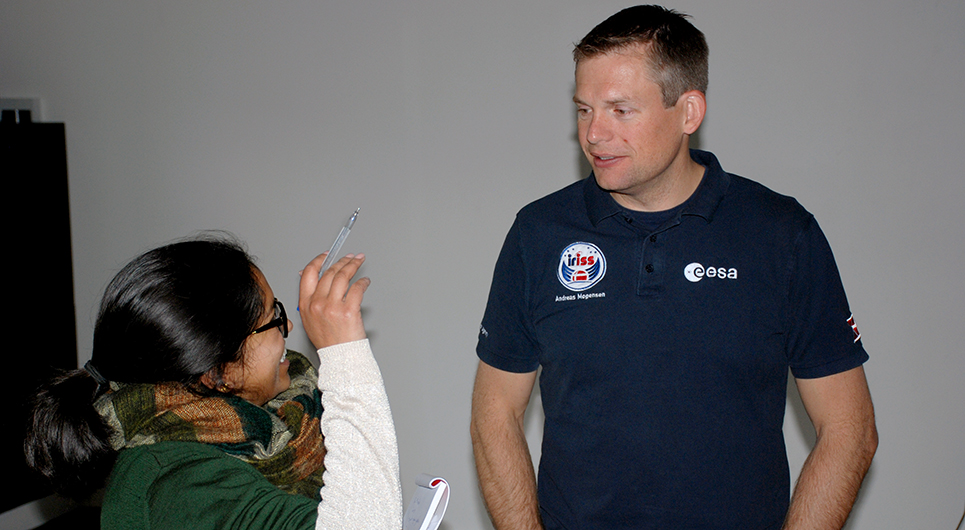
[331,305]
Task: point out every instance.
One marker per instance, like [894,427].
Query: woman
[197,417]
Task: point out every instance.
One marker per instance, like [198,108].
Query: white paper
[428,505]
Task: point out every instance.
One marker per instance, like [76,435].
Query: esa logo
[582,265]
[696,272]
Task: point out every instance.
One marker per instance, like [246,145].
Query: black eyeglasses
[280,321]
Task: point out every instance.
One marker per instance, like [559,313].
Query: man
[665,301]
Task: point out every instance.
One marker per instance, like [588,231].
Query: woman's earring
[223,387]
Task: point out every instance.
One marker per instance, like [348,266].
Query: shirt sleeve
[362,488]
[823,339]
[506,337]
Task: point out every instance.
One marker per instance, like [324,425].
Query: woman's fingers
[335,281]
[353,296]
[308,281]
[331,304]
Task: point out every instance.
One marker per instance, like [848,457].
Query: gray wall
[440,120]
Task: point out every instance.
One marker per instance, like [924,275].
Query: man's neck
[665,193]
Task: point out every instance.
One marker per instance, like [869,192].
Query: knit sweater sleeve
[362,489]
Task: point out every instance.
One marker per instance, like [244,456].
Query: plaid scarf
[282,440]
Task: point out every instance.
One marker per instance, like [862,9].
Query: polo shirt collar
[703,202]
[711,189]
[599,203]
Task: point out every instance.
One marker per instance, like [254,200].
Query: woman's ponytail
[67,440]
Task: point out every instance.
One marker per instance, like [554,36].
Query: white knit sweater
[362,489]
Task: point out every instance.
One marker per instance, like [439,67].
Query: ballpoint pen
[337,245]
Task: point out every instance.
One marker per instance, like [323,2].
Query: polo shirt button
[653,239]
[649,268]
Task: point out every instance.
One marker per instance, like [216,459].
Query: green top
[187,485]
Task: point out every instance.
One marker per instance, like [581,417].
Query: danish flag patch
[854,328]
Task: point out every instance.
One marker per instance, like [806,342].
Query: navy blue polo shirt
[665,349]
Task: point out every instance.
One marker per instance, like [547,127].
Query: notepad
[428,504]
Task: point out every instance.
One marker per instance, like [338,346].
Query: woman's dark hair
[170,315]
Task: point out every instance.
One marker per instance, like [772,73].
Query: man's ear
[695,107]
